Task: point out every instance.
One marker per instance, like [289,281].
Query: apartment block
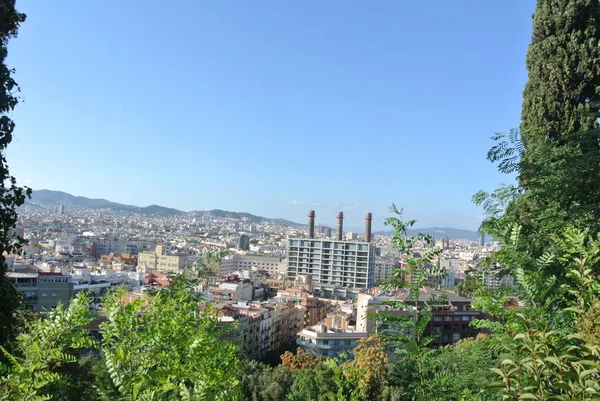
[262,327]
[159,260]
[348,264]
[234,263]
[315,310]
[450,322]
[342,263]
[384,267]
[336,334]
[287,320]
[42,291]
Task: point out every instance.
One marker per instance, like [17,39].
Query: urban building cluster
[283,285]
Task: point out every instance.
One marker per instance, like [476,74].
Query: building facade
[315,310]
[244,242]
[342,263]
[158,260]
[384,267]
[238,263]
[43,291]
[336,334]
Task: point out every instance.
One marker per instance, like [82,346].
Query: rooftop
[22,274]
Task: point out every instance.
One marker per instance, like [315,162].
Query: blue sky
[273,107]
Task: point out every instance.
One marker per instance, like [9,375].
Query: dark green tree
[562,62]
[265,383]
[317,383]
[11,195]
[556,152]
[559,169]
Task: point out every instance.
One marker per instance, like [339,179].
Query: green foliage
[563,70]
[468,286]
[79,380]
[556,153]
[265,383]
[419,266]
[367,371]
[11,195]
[45,344]
[542,365]
[208,267]
[324,382]
[162,347]
[545,358]
[404,332]
[166,347]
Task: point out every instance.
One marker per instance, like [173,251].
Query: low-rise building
[42,291]
[450,321]
[159,260]
[238,263]
[287,320]
[322,340]
[384,267]
[315,310]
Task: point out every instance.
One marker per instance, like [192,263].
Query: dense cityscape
[287,284]
[317,117]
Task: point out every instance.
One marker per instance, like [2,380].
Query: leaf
[528,396]
[588,372]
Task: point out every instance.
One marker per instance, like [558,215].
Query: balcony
[31,284]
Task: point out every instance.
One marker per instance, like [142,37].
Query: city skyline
[242,108]
[60,202]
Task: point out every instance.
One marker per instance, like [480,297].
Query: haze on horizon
[271,110]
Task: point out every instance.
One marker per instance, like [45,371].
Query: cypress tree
[560,163]
[558,156]
[563,64]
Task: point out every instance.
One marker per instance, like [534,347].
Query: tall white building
[344,263]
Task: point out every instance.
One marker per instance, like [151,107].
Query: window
[44,294]
[54,294]
[325,342]
[447,318]
[455,337]
[347,342]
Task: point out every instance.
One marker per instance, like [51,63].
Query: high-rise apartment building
[349,264]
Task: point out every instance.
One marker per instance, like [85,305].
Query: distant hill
[48,198]
[251,218]
[440,232]
[45,198]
